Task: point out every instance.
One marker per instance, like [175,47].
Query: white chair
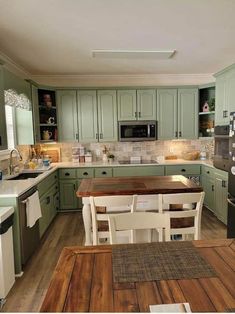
[123,203]
[138,221]
[188,201]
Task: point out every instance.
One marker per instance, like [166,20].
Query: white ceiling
[55,37]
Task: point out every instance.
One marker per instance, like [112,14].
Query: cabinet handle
[85,173]
[0,140]
[180,134]
[96,136]
[48,200]
[183,170]
[212,188]
[104,172]
[56,187]
[67,174]
[225,113]
[176,134]
[101,135]
[76,136]
[139,114]
[223,183]
[208,172]
[74,186]
[135,114]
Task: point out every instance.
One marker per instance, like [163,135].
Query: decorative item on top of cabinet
[206,111]
[47,115]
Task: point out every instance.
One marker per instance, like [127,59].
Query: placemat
[158,261]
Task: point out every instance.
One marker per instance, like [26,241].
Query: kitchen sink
[24,176]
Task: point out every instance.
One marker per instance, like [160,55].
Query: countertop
[11,188]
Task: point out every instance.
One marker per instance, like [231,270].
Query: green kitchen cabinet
[225,95]
[68,198]
[136,104]
[87,116]
[107,115]
[3,132]
[127,105]
[46,202]
[146,104]
[167,113]
[177,113]
[221,194]
[208,185]
[186,170]
[188,113]
[67,115]
[134,171]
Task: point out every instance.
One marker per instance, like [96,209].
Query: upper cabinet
[174,107]
[3,132]
[225,95]
[107,115]
[136,105]
[67,115]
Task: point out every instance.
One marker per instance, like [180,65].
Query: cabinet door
[230,93]
[34,92]
[44,221]
[167,114]
[67,115]
[188,113]
[107,115]
[79,199]
[146,104]
[126,105]
[209,189]
[3,133]
[87,116]
[221,194]
[68,198]
[220,100]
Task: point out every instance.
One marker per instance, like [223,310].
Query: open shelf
[205,113]
[206,118]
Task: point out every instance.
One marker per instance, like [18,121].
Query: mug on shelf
[47,135]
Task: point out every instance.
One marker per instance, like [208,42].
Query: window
[10,126]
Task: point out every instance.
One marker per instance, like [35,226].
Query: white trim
[14,67]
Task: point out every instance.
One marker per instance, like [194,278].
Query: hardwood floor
[67,230]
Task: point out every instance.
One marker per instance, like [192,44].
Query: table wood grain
[82,282]
[136,185]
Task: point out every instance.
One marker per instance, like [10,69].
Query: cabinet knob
[48,200]
[139,114]
[76,136]
[135,114]
[208,172]
[183,170]
[180,134]
[96,136]
[85,173]
[74,186]
[212,188]
[67,174]
[104,172]
[176,134]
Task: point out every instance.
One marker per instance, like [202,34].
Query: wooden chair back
[138,221]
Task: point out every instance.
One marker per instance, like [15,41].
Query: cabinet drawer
[207,171]
[134,171]
[67,173]
[85,173]
[103,172]
[183,169]
[46,184]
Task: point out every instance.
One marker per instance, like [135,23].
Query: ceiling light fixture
[133,54]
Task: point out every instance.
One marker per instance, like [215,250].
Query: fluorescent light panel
[133,54]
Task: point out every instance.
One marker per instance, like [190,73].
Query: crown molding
[123,80]
[13,67]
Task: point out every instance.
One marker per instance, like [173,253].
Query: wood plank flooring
[67,230]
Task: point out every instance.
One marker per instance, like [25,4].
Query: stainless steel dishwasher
[29,237]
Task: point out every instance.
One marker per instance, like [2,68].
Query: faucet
[11,166]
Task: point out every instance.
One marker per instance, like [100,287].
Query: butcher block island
[129,186]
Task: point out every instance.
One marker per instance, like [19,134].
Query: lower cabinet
[221,194]
[208,185]
[68,198]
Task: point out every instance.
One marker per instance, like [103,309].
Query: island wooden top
[136,185]
[83,282]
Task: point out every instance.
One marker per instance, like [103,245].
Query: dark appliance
[221,153]
[135,131]
[231,180]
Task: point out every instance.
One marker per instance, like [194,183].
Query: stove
[146,162]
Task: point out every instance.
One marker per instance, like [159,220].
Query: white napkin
[33,209]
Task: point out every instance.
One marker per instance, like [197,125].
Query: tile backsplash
[147,150]
[123,151]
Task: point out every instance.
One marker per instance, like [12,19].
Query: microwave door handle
[148,130]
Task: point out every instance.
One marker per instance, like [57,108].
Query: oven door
[221,153]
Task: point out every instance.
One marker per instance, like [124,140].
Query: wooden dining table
[146,185]
[83,282]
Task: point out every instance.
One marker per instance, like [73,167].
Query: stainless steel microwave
[135,131]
